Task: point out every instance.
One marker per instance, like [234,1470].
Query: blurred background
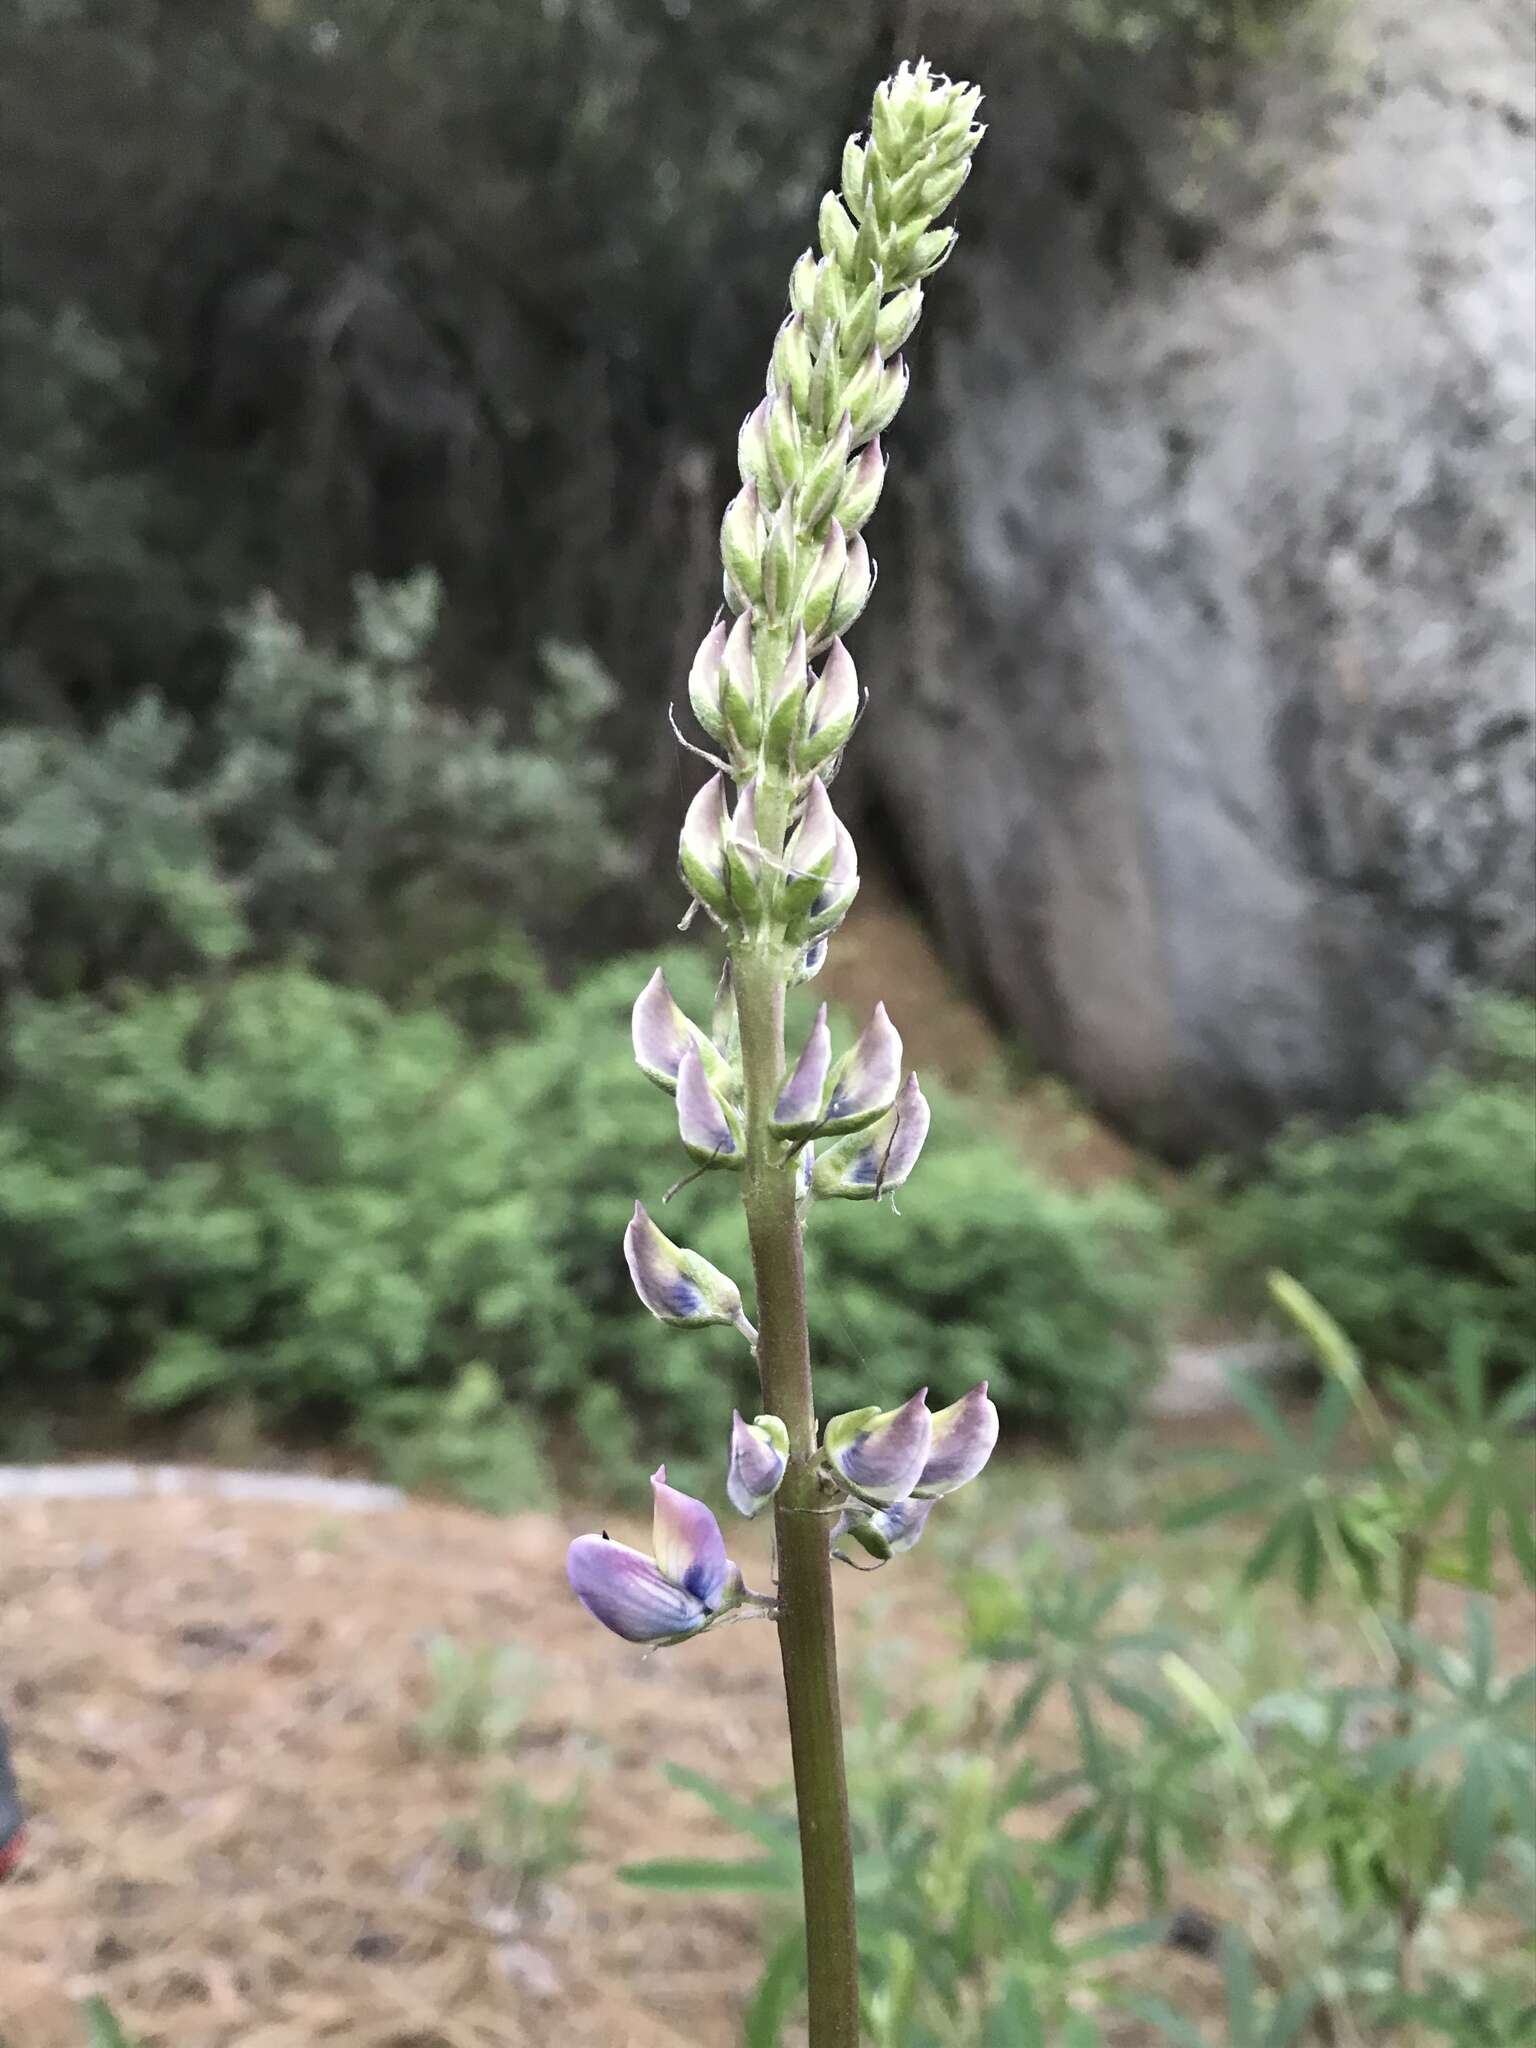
[369,377]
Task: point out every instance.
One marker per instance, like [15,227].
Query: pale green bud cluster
[773,686]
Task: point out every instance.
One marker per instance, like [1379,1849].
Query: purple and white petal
[964,1437]
[704,681]
[624,1590]
[759,1456]
[901,1524]
[798,1108]
[690,1549]
[701,1119]
[701,849]
[868,1075]
[836,895]
[661,1032]
[678,1286]
[881,1456]
[874,1161]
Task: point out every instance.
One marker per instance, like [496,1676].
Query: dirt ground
[236,1840]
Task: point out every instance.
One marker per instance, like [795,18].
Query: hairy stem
[807,1634]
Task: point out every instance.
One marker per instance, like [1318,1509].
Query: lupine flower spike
[777,698]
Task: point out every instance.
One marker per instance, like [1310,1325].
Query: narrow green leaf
[766,1828]
[1232,1500]
[1172,2025]
[1027,1705]
[1273,1545]
[1015,2019]
[1520,1522]
[1471,1834]
[1237,1975]
[1248,1394]
[685,1874]
[778,1991]
[1290,2016]
[1309,1562]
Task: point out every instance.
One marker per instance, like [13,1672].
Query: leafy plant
[527,1840]
[469,1443]
[478,1698]
[1253,2018]
[1411,1228]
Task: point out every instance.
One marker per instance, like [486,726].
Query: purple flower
[832,904]
[687,1585]
[874,1161]
[759,1456]
[866,1078]
[881,1457]
[887,1532]
[798,1109]
[662,1033]
[964,1437]
[701,849]
[705,1125]
[678,1286]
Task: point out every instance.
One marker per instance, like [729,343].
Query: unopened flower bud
[738,686]
[752,453]
[898,316]
[862,484]
[779,559]
[791,370]
[858,332]
[862,389]
[787,703]
[678,1286]
[823,480]
[879,1456]
[875,1161]
[810,852]
[683,1589]
[876,415]
[784,442]
[802,285]
[823,585]
[840,888]
[853,176]
[706,1126]
[797,1111]
[964,1437]
[741,543]
[810,963]
[887,1532]
[942,187]
[853,589]
[701,849]
[759,1458]
[744,856]
[864,1082]
[831,299]
[832,707]
[662,1033]
[836,231]
[704,681]
[929,253]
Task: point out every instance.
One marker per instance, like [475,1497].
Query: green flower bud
[941,188]
[861,390]
[704,682]
[874,417]
[898,316]
[831,299]
[825,477]
[784,442]
[853,589]
[792,358]
[701,849]
[822,586]
[741,545]
[858,332]
[744,857]
[832,707]
[811,851]
[779,556]
[837,231]
[802,284]
[853,177]
[752,453]
[862,484]
[738,686]
[787,704]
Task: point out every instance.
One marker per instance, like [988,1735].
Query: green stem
[1410,1569]
[807,1633]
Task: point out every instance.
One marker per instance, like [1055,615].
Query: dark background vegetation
[370,378]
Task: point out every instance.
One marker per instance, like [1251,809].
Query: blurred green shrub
[323,808]
[284,1191]
[1409,1229]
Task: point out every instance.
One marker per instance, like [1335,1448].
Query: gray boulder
[1205,651]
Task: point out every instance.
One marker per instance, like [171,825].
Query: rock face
[1206,666]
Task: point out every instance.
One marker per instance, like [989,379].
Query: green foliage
[469,1444]
[103,2029]
[528,1841]
[1410,1228]
[1055,1299]
[478,1698]
[321,808]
